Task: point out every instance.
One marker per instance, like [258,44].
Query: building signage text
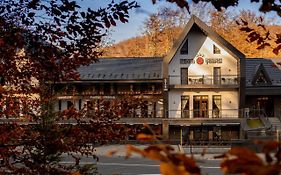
[200,59]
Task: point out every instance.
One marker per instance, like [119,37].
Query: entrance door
[217,75]
[200,106]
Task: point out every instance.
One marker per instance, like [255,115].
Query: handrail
[204,80]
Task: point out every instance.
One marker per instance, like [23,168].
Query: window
[217,75]
[184,48]
[69,104]
[80,104]
[261,80]
[200,106]
[184,75]
[185,106]
[216,106]
[216,50]
[261,77]
[112,89]
[59,105]
[106,89]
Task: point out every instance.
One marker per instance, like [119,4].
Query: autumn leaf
[276,50]
[145,137]
[245,154]
[269,146]
[111,153]
[168,168]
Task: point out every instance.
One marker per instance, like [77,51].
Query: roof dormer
[261,77]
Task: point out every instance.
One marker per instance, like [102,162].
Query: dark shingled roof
[271,66]
[149,68]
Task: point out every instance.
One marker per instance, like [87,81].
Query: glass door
[200,106]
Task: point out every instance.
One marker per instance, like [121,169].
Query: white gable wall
[199,43]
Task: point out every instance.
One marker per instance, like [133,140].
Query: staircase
[275,123]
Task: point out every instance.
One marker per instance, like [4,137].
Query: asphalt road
[118,165]
[136,165]
[140,166]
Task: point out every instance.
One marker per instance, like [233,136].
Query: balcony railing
[211,113]
[204,80]
[100,93]
[134,114]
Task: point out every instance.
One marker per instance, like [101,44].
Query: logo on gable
[200,59]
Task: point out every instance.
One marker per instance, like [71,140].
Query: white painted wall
[200,43]
[229,100]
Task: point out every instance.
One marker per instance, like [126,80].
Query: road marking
[110,164]
[210,167]
[127,164]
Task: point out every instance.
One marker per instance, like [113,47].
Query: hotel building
[203,88]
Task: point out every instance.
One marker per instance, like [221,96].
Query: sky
[138,16]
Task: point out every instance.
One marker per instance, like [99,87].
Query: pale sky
[138,16]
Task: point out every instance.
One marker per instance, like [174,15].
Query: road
[141,166]
[137,165]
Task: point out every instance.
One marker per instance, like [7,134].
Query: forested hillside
[161,30]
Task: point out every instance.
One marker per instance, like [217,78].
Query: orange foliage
[238,160]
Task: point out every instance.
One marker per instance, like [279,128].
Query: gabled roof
[272,67]
[148,68]
[210,33]
[260,69]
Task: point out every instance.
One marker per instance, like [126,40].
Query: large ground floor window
[200,106]
[184,106]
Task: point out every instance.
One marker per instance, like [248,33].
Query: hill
[159,45]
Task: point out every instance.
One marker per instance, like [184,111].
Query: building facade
[203,90]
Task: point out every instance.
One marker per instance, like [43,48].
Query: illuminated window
[185,106]
[216,106]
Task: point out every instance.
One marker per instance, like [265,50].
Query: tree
[43,43]
[254,35]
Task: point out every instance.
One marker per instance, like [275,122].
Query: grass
[254,123]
